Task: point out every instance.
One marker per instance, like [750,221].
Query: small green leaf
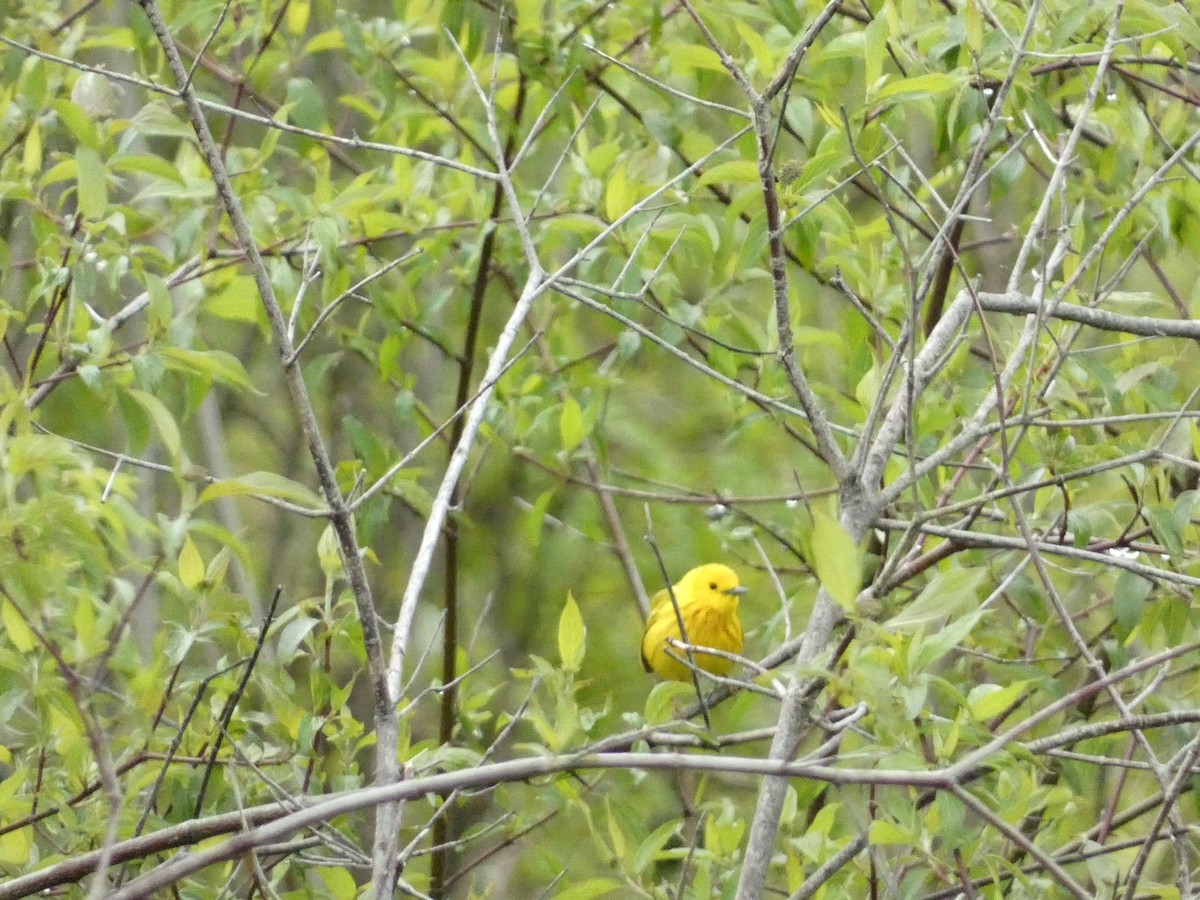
[694,56]
[146,165]
[989,700]
[739,171]
[263,484]
[946,594]
[875,37]
[615,834]
[16,847]
[292,635]
[571,635]
[750,254]
[662,700]
[31,151]
[329,552]
[619,195]
[649,850]
[836,560]
[591,888]
[37,453]
[163,421]
[297,19]
[918,86]
[868,387]
[763,58]
[91,183]
[1129,600]
[974,26]
[77,120]
[530,22]
[537,516]
[571,425]
[1162,521]
[340,882]
[191,565]
[15,628]
[237,301]
[333,39]
[883,832]
[215,364]
[943,640]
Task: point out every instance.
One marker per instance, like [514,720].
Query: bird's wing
[653,634]
[663,596]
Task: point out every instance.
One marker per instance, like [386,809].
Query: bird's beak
[736,591]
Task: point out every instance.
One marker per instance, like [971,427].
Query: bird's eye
[712,585]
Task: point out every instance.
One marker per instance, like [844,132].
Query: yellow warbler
[708,601]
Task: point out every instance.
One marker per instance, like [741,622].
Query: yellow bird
[708,601]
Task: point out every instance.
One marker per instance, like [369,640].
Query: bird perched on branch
[707,600]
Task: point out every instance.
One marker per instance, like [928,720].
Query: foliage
[886,305]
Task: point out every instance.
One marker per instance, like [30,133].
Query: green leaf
[1162,522]
[1129,600]
[662,700]
[333,39]
[932,648]
[836,559]
[593,887]
[571,635]
[191,565]
[18,633]
[91,183]
[750,254]
[819,167]
[155,120]
[91,638]
[973,17]
[307,104]
[78,122]
[615,834]
[530,21]
[868,387]
[619,194]
[297,20]
[649,849]
[917,87]
[571,425]
[164,422]
[946,594]
[329,552]
[537,516]
[237,301]
[740,171]
[763,58]
[989,700]
[16,847]
[875,39]
[37,453]
[146,165]
[31,151]
[884,833]
[340,882]
[218,365]
[292,635]
[694,56]
[723,835]
[263,484]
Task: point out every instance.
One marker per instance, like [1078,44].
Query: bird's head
[716,583]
